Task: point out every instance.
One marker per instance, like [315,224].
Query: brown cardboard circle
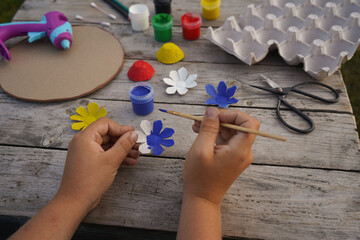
[42,73]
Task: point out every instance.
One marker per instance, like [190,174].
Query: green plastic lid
[162,21]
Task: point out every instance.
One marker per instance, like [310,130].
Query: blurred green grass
[350,70]
[351,74]
[8,9]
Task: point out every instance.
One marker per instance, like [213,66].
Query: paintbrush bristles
[227,125]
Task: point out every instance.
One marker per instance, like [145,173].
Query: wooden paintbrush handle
[248,130]
[231,126]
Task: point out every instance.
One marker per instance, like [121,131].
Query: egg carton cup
[318,33]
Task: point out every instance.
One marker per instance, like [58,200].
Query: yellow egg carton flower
[169,53]
[86,117]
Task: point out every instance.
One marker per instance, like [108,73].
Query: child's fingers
[234,117]
[241,140]
[119,151]
[134,154]
[196,126]
[103,127]
[209,130]
[106,140]
[107,146]
[129,161]
[226,133]
[136,146]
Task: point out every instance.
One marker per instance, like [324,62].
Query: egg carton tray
[318,33]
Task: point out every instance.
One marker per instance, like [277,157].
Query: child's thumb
[122,147]
[209,129]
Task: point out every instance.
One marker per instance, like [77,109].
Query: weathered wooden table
[306,188]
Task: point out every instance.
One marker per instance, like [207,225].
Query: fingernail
[212,112]
[134,136]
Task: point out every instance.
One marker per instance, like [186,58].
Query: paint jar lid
[138,10]
[191,20]
[162,21]
[210,3]
[162,2]
[141,92]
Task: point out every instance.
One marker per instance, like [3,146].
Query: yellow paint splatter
[169,53]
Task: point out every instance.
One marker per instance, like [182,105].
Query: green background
[350,70]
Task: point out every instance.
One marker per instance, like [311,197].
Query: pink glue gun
[55,25]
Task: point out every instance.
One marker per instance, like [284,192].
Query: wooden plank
[34,9]
[286,201]
[232,74]
[134,44]
[48,125]
[142,45]
[241,75]
[266,202]
[88,231]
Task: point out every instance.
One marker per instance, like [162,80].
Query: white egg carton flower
[179,82]
[154,138]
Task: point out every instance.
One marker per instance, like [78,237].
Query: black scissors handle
[298,112]
[335,93]
[282,92]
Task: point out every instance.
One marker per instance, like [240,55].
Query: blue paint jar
[142,98]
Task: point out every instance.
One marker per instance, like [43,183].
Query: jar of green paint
[162,24]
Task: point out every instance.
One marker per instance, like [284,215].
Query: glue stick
[142,98]
[210,9]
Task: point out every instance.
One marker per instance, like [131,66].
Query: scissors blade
[265,89]
[269,81]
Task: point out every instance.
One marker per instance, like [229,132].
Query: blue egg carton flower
[154,138]
[223,97]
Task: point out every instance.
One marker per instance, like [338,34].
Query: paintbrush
[121,8]
[227,125]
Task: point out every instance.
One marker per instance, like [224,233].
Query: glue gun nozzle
[65,44]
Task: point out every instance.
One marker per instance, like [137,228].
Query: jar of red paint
[191,23]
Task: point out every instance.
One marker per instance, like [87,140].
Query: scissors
[283,92]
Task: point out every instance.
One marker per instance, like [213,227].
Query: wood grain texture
[144,46]
[48,125]
[34,9]
[232,74]
[242,76]
[265,202]
[210,71]
[134,41]
[306,188]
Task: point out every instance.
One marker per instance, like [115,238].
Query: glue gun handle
[10,30]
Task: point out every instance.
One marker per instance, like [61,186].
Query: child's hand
[93,158]
[218,155]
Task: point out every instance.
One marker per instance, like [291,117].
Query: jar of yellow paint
[210,9]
